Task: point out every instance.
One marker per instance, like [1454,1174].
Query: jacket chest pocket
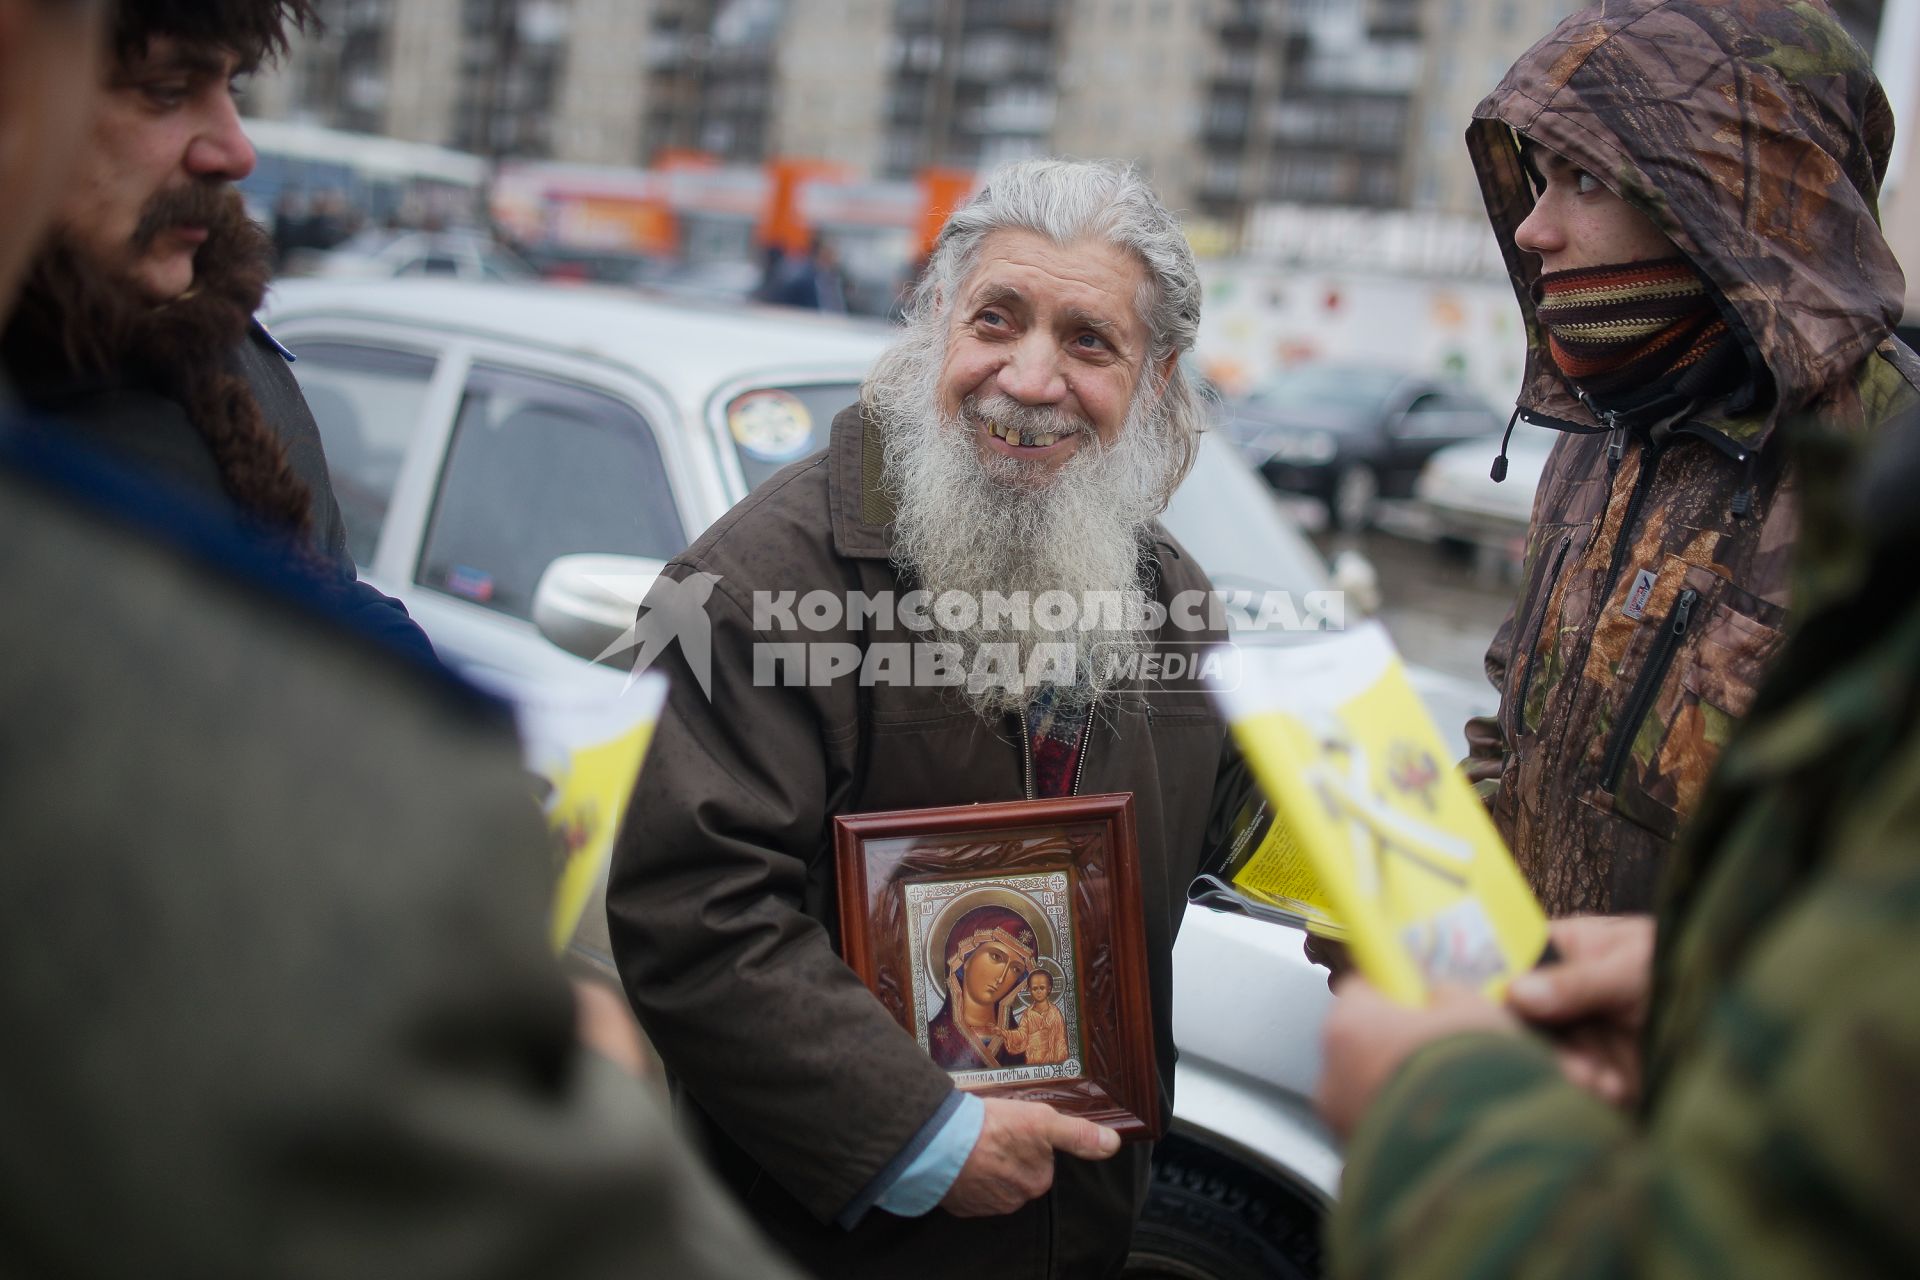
[1705,653]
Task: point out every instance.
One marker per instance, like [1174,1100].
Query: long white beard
[968,524]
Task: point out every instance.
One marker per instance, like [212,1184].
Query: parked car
[709,282]
[377,254]
[482,438]
[596,266]
[1466,506]
[1348,434]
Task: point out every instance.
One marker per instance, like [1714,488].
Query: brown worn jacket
[721,902]
[1657,569]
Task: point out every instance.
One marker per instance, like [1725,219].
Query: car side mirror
[584,603]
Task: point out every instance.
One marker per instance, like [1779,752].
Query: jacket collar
[858,503]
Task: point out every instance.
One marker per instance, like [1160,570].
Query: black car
[1348,434]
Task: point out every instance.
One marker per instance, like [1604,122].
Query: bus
[381,179]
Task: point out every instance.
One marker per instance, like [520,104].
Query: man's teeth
[1024,439]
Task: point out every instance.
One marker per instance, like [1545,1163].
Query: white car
[484,436]
[1465,504]
[380,254]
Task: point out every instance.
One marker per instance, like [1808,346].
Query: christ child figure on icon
[1042,1034]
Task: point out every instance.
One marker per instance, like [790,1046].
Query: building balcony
[1227,119]
[361,19]
[1021,113]
[1336,123]
[1376,67]
[742,55]
[1342,179]
[1390,18]
[1247,17]
[907,107]
[1222,180]
[1000,56]
[667,50]
[1019,15]
[1233,66]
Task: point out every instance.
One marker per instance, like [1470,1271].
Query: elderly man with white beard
[1013,448]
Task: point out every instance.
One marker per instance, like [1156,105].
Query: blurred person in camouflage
[273,975]
[1707,299]
[1735,1096]
[135,324]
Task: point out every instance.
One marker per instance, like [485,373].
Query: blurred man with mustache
[135,325]
[1018,441]
[275,1003]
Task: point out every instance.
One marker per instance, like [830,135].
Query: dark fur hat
[258,30]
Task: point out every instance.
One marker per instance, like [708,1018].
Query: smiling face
[1577,221]
[165,147]
[1046,345]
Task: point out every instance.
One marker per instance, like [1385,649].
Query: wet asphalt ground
[1440,603]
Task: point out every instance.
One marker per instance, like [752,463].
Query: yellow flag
[588,748]
[1378,828]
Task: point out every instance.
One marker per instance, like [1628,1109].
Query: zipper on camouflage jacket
[1640,701]
[1545,591]
[1649,464]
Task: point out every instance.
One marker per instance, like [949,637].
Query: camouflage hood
[1755,136]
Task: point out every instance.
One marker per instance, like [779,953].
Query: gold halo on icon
[993,895]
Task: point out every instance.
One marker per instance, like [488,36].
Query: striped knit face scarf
[1623,330]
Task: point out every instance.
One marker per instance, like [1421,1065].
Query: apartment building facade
[1228,105]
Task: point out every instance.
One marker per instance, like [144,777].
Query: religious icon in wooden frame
[1008,940]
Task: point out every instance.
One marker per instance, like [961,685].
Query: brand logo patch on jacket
[1636,605]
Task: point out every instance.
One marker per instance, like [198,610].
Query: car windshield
[1342,391]
[773,425]
[1226,517]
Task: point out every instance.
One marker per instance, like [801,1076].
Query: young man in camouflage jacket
[1685,195]
[1748,1074]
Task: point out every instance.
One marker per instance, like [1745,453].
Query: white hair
[1067,201]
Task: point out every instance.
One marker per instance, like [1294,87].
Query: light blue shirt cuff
[926,1181]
